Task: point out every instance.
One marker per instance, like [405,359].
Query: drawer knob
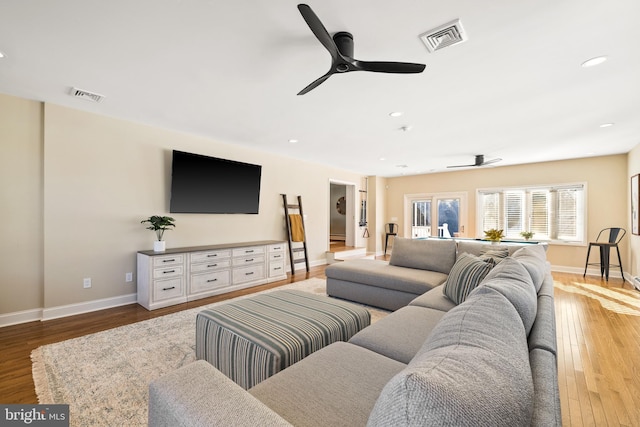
[212,255]
[249,273]
[168,289]
[212,265]
[212,280]
[169,260]
[168,271]
[248,260]
[278,268]
[248,251]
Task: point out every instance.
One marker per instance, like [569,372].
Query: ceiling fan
[340,46]
[479,162]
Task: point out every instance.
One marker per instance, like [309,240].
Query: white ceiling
[230,70]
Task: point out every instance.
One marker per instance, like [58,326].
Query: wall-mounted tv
[202,184]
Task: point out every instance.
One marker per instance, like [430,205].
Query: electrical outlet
[128,277]
[86,282]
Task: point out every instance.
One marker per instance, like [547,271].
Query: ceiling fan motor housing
[344,43]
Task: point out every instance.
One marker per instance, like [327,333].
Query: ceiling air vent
[444,36]
[83,94]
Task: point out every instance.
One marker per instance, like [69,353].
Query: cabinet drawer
[159,273]
[208,281]
[249,260]
[248,273]
[277,248]
[276,268]
[161,261]
[209,255]
[211,265]
[253,250]
[276,256]
[165,289]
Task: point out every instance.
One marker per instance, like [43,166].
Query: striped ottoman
[254,338]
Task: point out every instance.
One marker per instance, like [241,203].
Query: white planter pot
[159,246]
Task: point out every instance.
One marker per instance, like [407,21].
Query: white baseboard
[613,273]
[87,307]
[18,317]
[37,314]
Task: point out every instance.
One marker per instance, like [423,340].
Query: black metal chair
[391,229]
[615,235]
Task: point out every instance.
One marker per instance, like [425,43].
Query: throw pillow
[465,275]
[494,253]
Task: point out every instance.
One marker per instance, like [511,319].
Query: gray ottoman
[252,339]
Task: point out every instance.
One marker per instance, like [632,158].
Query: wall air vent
[83,94]
[444,36]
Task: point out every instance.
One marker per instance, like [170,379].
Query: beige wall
[94,181]
[74,187]
[634,241]
[607,195]
[21,204]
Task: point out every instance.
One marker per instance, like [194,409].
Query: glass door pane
[448,217]
[420,218]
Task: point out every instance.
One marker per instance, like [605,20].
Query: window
[554,213]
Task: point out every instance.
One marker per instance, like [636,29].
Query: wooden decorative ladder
[297,210]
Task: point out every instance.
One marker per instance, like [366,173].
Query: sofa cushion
[495,253]
[379,273]
[472,370]
[382,337]
[424,254]
[534,259]
[513,281]
[466,274]
[472,246]
[435,298]
[335,386]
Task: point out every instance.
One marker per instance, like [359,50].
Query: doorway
[341,215]
[435,215]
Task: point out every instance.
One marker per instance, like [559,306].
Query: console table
[179,275]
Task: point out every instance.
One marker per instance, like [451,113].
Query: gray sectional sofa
[489,359]
[415,267]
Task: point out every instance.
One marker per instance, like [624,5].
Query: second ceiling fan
[480,161]
[340,47]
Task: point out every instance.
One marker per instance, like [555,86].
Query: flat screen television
[202,184]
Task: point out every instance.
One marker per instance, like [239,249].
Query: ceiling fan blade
[488,162]
[390,67]
[318,30]
[462,166]
[315,83]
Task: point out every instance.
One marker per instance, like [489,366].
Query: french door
[435,215]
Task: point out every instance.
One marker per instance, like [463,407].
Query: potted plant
[494,235]
[159,224]
[527,234]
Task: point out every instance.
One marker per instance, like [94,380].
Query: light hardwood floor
[598,330]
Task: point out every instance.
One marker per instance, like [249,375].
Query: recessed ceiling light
[293,141]
[382,159]
[606,125]
[2,55]
[396,113]
[594,61]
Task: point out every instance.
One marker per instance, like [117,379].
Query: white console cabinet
[185,274]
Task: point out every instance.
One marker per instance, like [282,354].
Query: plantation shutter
[514,212]
[539,217]
[567,213]
[490,211]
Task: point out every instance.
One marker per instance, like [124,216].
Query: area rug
[104,377]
